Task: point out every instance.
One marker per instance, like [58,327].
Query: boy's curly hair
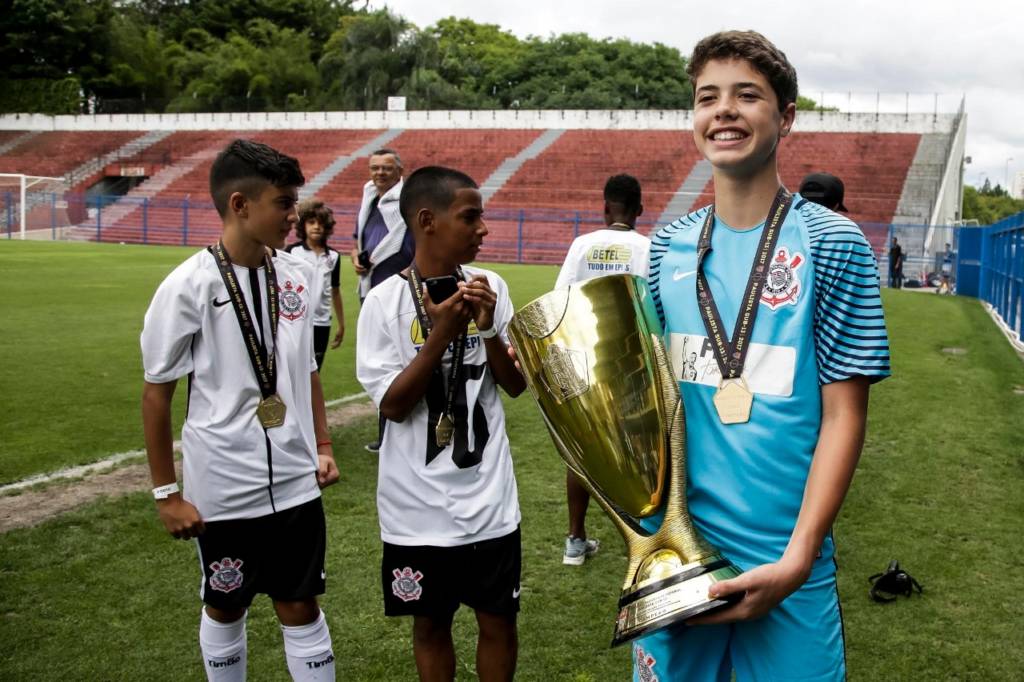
[314,209]
[751,47]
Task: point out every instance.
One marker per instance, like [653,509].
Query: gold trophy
[595,361]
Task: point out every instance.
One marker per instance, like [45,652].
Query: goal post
[32,202]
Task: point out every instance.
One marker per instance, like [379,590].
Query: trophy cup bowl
[595,362]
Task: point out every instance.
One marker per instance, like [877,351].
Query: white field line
[115,459]
[75,472]
[1011,335]
[347,399]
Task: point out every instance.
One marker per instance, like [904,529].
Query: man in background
[383,244]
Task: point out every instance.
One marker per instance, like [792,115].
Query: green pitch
[71,374]
[104,593]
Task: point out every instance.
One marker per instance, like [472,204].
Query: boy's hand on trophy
[763,588]
[481,298]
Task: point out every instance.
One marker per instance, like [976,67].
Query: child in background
[315,226]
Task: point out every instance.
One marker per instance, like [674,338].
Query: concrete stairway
[684,198]
[511,165]
[342,162]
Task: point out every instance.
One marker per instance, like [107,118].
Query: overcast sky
[955,49]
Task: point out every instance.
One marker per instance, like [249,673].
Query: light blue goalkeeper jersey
[820,320]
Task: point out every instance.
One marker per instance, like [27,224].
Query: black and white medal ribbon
[271,409]
[733,400]
[444,431]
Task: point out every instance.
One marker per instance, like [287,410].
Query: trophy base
[671,600]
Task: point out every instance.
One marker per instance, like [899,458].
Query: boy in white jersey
[775,328]
[617,249]
[431,352]
[235,319]
[315,226]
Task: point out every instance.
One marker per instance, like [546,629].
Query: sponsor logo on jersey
[782,286]
[406,585]
[417,338]
[227,575]
[611,253]
[293,304]
[610,259]
[644,664]
[769,370]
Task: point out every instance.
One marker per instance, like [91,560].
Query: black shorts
[424,580]
[321,336]
[280,555]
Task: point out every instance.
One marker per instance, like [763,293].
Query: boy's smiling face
[737,123]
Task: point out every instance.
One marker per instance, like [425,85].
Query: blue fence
[1001,270]
[989,264]
[522,235]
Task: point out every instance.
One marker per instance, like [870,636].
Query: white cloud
[858,46]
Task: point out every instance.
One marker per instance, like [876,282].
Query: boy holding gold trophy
[773,328]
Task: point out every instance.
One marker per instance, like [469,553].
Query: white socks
[307,649]
[224,649]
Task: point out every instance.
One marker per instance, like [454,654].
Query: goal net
[33,206]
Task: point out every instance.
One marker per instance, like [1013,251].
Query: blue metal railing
[1001,282]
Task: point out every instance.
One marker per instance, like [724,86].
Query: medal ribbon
[459,352]
[731,354]
[262,362]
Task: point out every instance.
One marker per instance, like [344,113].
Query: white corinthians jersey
[605,252]
[327,272]
[233,467]
[426,495]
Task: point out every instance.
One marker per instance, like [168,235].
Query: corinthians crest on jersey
[782,285]
[293,301]
[644,665]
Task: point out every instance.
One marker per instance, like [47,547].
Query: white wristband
[165,491]
[488,333]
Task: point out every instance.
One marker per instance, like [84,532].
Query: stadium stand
[541,172]
[59,153]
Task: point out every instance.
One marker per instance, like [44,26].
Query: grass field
[104,594]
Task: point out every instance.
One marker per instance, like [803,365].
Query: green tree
[47,42]
[138,75]
[221,18]
[375,55]
[989,204]
[266,68]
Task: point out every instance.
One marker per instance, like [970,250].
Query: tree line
[100,56]
[989,204]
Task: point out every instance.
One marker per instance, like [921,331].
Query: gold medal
[271,411]
[733,401]
[444,431]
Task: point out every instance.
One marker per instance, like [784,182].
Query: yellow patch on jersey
[616,253]
[416,332]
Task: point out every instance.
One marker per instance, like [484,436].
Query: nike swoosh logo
[676,276]
[515,593]
[218,304]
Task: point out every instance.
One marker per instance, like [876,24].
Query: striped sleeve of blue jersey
[849,326]
[659,247]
